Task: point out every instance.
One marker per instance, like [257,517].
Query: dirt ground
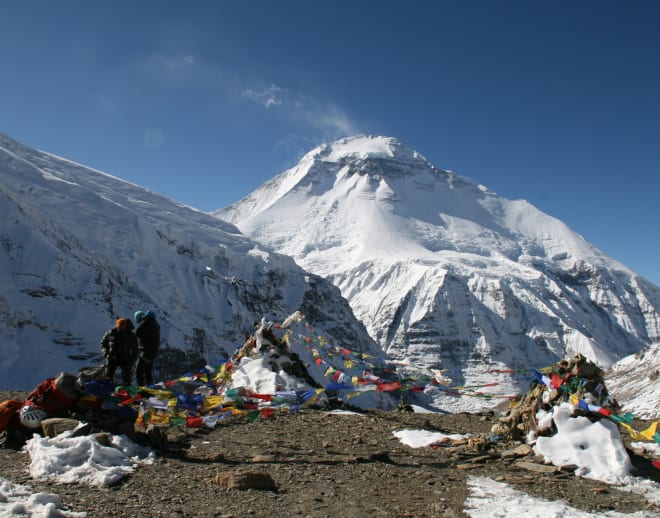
[328,465]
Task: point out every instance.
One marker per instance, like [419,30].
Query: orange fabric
[121,324]
[8,410]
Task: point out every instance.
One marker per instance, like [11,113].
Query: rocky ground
[326,465]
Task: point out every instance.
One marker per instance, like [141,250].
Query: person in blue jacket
[148,335]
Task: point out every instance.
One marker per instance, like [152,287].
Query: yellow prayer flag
[212,402]
[158,418]
[635,435]
[650,431]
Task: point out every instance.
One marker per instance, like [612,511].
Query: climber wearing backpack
[120,348]
[148,335]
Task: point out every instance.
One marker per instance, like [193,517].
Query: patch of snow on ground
[344,412]
[491,499]
[17,500]
[422,438]
[84,460]
[648,447]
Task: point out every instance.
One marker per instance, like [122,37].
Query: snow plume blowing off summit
[444,273]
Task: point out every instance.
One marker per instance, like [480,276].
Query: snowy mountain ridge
[443,272]
[80,247]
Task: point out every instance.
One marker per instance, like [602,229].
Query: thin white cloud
[270,96]
[180,67]
[308,113]
[314,119]
[329,118]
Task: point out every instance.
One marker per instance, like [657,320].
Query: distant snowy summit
[444,273]
[372,193]
[363,147]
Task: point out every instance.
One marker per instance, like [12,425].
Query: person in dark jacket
[148,334]
[120,348]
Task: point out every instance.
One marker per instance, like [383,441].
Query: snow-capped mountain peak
[443,271]
[377,192]
[364,147]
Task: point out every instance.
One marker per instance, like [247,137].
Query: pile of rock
[570,381]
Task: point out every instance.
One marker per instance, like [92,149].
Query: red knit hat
[121,324]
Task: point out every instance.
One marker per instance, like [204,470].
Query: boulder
[245,479]
[53,426]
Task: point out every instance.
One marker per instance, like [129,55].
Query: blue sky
[556,102]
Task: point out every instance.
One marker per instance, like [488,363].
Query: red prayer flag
[267,412]
[387,387]
[556,380]
[193,422]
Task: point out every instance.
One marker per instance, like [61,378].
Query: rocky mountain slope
[635,380]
